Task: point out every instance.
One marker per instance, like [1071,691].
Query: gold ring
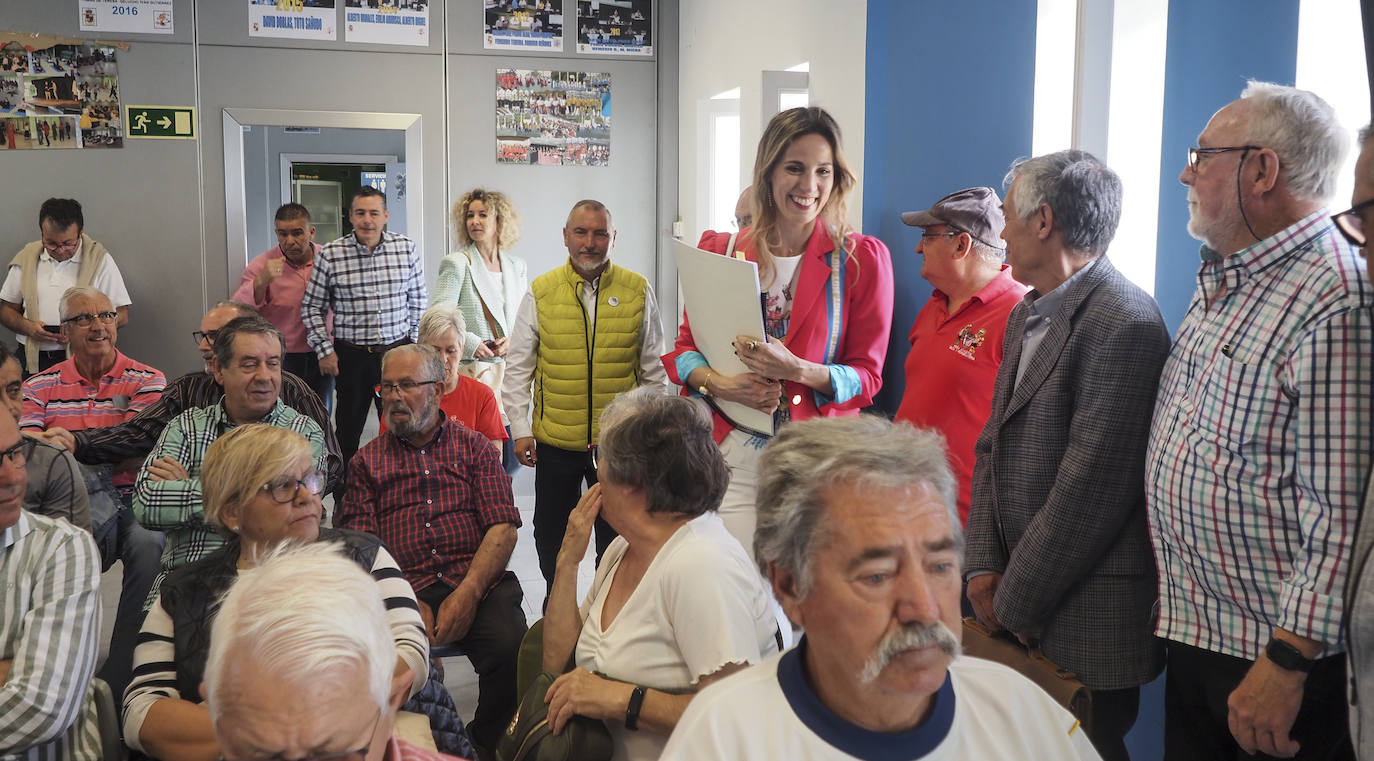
[753,345]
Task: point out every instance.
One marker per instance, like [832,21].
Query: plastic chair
[107,719]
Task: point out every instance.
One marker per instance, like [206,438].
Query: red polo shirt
[952,367]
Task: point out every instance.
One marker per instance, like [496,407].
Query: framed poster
[615,27]
[523,25]
[553,118]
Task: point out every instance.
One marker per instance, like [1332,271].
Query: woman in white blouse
[676,603]
[483,280]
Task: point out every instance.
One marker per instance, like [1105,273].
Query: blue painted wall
[950,88]
[1214,47]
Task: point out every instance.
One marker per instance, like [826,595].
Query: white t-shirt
[780,289]
[54,278]
[984,711]
[700,606]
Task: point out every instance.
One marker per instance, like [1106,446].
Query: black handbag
[530,738]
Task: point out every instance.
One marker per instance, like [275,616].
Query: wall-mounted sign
[390,22]
[162,122]
[140,16]
[517,24]
[615,27]
[293,19]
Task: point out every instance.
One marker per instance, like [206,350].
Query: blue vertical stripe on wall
[949,104]
[1214,47]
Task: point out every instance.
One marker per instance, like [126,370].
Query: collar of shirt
[1264,255]
[218,415]
[1049,303]
[851,738]
[304,268]
[69,374]
[75,258]
[14,533]
[387,236]
[999,284]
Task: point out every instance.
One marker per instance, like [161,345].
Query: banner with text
[139,16]
[388,22]
[293,19]
[520,25]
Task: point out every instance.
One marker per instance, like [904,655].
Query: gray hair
[440,319]
[75,292]
[322,636]
[1304,131]
[594,205]
[662,445]
[431,363]
[251,325]
[1084,194]
[809,458]
[243,310]
[986,253]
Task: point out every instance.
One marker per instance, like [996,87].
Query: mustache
[907,637]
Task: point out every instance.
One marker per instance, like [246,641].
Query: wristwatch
[1286,656]
[632,710]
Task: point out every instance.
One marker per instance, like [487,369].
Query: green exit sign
[165,122]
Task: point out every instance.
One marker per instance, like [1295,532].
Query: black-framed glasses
[345,755]
[207,336]
[405,387]
[285,489]
[85,319]
[18,455]
[1195,154]
[1351,224]
[70,245]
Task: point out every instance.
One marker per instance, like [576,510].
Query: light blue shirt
[1043,311]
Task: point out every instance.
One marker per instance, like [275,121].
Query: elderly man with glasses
[435,493]
[1261,440]
[64,257]
[101,386]
[956,341]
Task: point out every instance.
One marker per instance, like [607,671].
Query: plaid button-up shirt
[176,507]
[377,296]
[430,505]
[1261,442]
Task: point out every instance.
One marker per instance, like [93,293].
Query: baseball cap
[976,211]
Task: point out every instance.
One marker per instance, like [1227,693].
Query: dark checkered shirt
[432,505]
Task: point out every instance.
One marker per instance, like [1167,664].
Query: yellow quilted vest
[579,370]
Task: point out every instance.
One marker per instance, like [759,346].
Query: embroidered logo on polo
[968,341]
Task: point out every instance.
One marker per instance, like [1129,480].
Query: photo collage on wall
[553,118]
[59,96]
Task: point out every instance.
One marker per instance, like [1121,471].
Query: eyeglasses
[284,490]
[950,234]
[1195,154]
[347,755]
[405,387]
[18,455]
[204,336]
[68,246]
[85,319]
[1351,224]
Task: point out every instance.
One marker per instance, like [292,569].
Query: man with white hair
[1261,440]
[293,673]
[859,536]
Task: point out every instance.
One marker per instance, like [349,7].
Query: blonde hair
[780,133]
[238,463]
[440,319]
[507,220]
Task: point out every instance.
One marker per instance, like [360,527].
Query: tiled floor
[459,676]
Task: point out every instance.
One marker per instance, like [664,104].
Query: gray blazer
[1059,484]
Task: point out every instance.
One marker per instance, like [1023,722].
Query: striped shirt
[59,396]
[377,296]
[155,671]
[50,630]
[174,507]
[1261,442]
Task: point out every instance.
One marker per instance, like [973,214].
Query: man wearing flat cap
[956,342]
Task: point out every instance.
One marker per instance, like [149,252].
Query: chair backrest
[107,719]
